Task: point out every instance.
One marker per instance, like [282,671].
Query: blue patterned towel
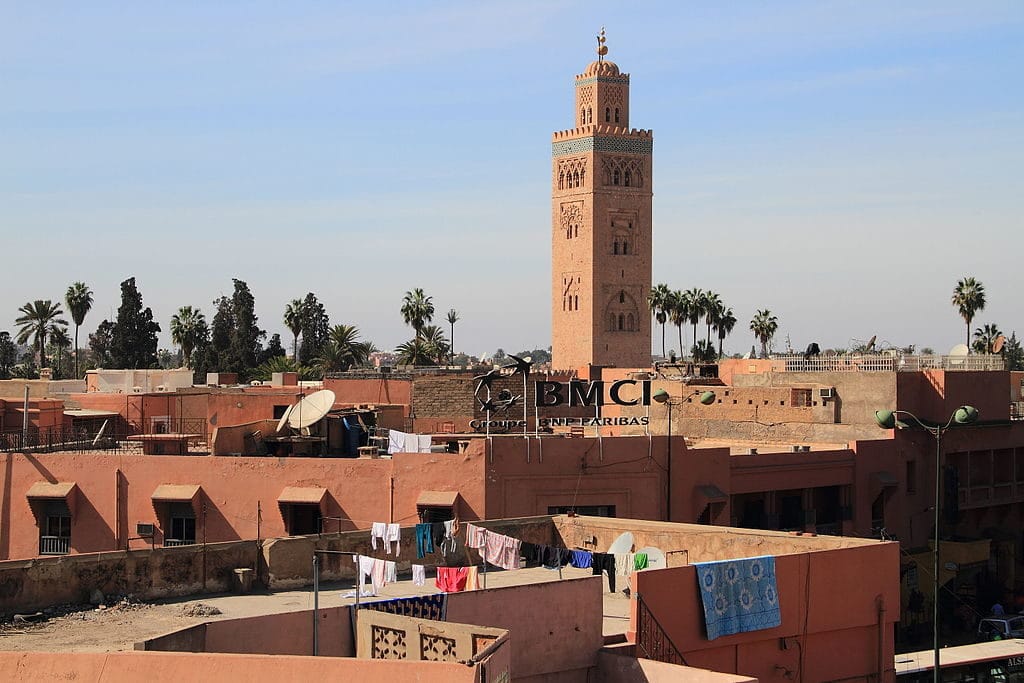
[739,595]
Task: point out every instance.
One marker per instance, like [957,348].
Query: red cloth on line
[451,579]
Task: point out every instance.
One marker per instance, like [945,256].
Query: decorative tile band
[619,80]
[593,143]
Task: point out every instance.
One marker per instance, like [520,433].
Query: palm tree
[712,309]
[677,314]
[695,311]
[79,301]
[342,350]
[969,298]
[188,330]
[764,325]
[37,320]
[414,352]
[453,317]
[985,337]
[657,301]
[294,313]
[726,322]
[417,310]
[61,342]
[437,345]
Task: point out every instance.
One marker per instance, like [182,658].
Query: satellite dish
[284,419]
[529,359]
[622,544]
[311,409]
[998,343]
[871,343]
[959,350]
[655,558]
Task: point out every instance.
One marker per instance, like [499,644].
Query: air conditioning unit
[144,529]
[385,369]
[827,392]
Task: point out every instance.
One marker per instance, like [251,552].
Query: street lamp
[663,397]
[964,415]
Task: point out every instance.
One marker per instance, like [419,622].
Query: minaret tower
[601,227]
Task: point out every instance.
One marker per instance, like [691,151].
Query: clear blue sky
[840,163]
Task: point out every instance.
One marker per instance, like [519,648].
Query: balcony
[173,542]
[54,545]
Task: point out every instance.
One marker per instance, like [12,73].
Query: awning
[437,498]
[46,490]
[712,493]
[301,495]
[176,493]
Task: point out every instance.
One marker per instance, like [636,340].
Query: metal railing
[1017,410]
[174,542]
[882,362]
[651,639]
[54,545]
[107,437]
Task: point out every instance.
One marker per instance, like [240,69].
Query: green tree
[293,319]
[724,327]
[101,342]
[8,354]
[969,299]
[678,314]
[658,300]
[712,310]
[414,352]
[453,317]
[267,368]
[246,337]
[60,343]
[37,320]
[985,337]
[134,341]
[79,302]
[1013,353]
[273,348]
[764,326]
[417,310]
[219,355]
[343,350]
[316,328]
[436,343]
[697,304]
[189,330]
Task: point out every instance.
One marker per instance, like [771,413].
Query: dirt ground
[123,623]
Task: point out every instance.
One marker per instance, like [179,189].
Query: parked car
[1000,628]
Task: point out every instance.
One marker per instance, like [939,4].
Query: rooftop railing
[882,362]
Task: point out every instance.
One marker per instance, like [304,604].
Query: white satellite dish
[622,544]
[284,419]
[655,558]
[959,350]
[311,409]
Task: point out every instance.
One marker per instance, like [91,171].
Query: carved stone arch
[621,312]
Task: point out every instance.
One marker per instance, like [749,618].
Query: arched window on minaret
[561,179]
[607,115]
[576,303]
[622,322]
[615,249]
[622,297]
[590,115]
[630,323]
[615,177]
[583,116]
[583,176]
[575,178]
[625,248]
[616,114]
[627,176]
[611,322]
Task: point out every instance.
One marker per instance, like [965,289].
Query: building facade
[601,228]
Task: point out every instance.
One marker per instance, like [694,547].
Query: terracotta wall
[832,601]
[168,667]
[43,413]
[618,664]
[936,394]
[382,389]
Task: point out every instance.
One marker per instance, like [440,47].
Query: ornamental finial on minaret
[602,49]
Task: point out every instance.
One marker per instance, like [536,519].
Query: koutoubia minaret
[601,227]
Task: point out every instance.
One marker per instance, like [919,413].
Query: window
[626,177]
[583,116]
[561,179]
[615,250]
[279,412]
[622,297]
[607,115]
[589,510]
[590,115]
[911,476]
[800,398]
[577,302]
[181,527]
[625,248]
[55,533]
[616,114]
[302,519]
[622,322]
[615,177]
[630,323]
[435,513]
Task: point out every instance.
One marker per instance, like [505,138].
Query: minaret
[601,228]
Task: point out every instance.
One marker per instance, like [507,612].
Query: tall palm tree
[724,326]
[188,330]
[343,349]
[37,320]
[985,337]
[712,309]
[414,352]
[294,313]
[969,298]
[79,301]
[657,300]
[695,311]
[417,310]
[677,314]
[764,325]
[61,342]
[453,317]
[437,345]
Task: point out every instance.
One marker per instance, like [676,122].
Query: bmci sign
[624,392]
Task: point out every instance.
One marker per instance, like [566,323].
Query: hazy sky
[840,163]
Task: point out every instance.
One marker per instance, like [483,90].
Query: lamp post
[963,415]
[663,397]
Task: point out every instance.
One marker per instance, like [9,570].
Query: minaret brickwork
[601,228]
